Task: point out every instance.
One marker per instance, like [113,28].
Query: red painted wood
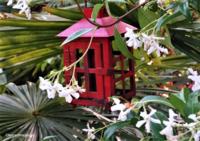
[108,65]
[67,62]
[99,68]
[89,102]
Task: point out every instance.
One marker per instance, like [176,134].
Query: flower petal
[148,126]
[116,100]
[68,98]
[122,116]
[44,84]
[167,131]
[118,107]
[193,117]
[75,95]
[140,123]
[10,2]
[155,121]
[51,93]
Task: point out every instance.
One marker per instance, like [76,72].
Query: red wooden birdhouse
[104,71]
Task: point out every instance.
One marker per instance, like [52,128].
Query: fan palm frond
[29,113]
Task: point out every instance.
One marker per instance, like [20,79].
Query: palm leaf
[186,39]
[34,42]
[27,111]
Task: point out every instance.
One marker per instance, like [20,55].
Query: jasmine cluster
[68,92]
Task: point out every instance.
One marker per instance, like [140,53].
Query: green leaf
[109,132]
[121,45]
[193,103]
[178,103]
[96,9]
[183,95]
[29,57]
[154,99]
[145,17]
[186,92]
[156,128]
[185,9]
[117,10]
[165,19]
[76,34]
[68,14]
[187,43]
[36,24]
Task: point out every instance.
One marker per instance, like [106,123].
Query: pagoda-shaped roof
[101,32]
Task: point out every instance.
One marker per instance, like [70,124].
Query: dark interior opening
[81,79]
[92,82]
[79,53]
[91,58]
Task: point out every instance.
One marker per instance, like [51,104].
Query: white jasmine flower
[173,138]
[173,117]
[23,6]
[44,84]
[168,130]
[65,92]
[151,45]
[51,92]
[75,94]
[191,71]
[79,89]
[193,117]
[133,39]
[123,114]
[197,136]
[62,92]
[90,132]
[68,92]
[10,2]
[118,106]
[161,2]
[195,78]
[191,126]
[147,119]
[58,87]
[142,1]
[122,108]
[68,98]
